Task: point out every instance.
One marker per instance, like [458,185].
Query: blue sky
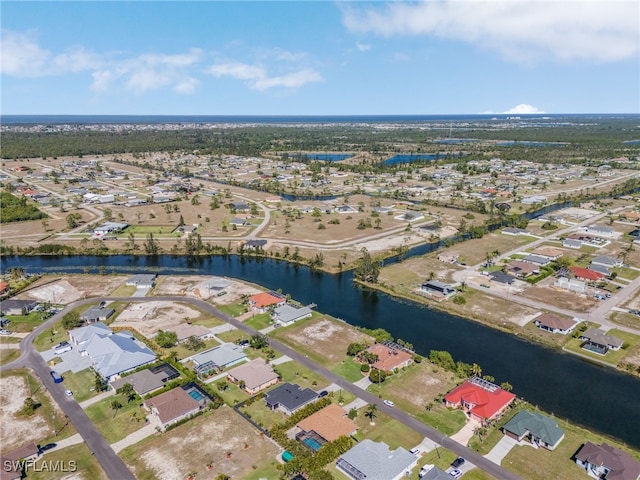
[320,57]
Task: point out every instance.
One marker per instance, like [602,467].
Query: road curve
[116,468]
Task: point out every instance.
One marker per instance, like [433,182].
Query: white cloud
[521,30]
[257,77]
[524,109]
[363,47]
[22,56]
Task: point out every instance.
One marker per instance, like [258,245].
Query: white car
[5,332]
[455,473]
[389,403]
[68,393]
[63,349]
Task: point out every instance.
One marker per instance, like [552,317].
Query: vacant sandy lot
[73,287]
[202,441]
[17,430]
[149,317]
[326,338]
[194,286]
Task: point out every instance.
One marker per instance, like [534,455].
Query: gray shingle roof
[290,396]
[376,461]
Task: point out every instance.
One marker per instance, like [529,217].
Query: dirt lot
[191,286]
[16,430]
[327,338]
[202,441]
[149,317]
[559,298]
[422,383]
[73,287]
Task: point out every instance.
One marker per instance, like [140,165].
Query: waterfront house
[437,288]
[605,461]
[390,356]
[480,399]
[376,461]
[262,301]
[597,341]
[556,324]
[284,315]
[538,429]
[142,280]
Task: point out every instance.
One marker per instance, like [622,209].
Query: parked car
[414,451]
[457,462]
[46,447]
[424,470]
[389,403]
[63,348]
[323,393]
[68,393]
[455,473]
[56,376]
[5,332]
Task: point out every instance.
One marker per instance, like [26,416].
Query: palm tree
[476,370]
[371,413]
[115,405]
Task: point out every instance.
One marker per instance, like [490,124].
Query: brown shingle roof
[254,373]
[173,404]
[330,423]
[553,321]
[389,358]
[621,464]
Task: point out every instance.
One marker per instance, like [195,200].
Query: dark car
[323,393]
[46,447]
[457,462]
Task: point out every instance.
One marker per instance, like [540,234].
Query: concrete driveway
[502,448]
[72,361]
[466,433]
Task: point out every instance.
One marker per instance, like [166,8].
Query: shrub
[365,368]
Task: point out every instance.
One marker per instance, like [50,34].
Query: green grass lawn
[232,395]
[612,357]
[25,323]
[262,415]
[115,426]
[627,273]
[164,230]
[123,291]
[233,336]
[295,373]
[233,310]
[78,455]
[349,370]
[260,321]
[184,352]
[81,384]
[386,429]
[51,337]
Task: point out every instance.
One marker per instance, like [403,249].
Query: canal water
[584,393]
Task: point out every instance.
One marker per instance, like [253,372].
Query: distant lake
[525,143]
[455,141]
[631,142]
[408,158]
[325,157]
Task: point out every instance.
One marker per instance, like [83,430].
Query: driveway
[502,448]
[465,433]
[72,361]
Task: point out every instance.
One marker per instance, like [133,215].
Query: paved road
[112,465]
[115,468]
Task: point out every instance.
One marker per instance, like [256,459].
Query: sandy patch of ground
[328,338]
[195,286]
[73,287]
[202,441]
[234,294]
[16,430]
[149,317]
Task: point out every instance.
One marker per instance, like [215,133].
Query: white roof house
[286,314]
[376,461]
[111,353]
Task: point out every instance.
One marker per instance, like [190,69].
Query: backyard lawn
[85,464]
[260,321]
[295,373]
[612,357]
[387,430]
[184,352]
[82,384]
[233,310]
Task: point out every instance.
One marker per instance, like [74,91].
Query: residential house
[262,301]
[4,287]
[586,274]
[556,324]
[95,314]
[607,462]
[239,206]
[550,252]
[571,284]
[147,380]
[482,400]
[376,461]
[17,307]
[515,231]
[215,359]
[289,398]
[537,260]
[437,289]
[601,231]
[11,461]
[286,314]
[142,280]
[239,222]
[502,277]
[433,473]
[631,216]
[346,209]
[606,261]
[521,269]
[184,331]
[108,228]
[256,375]
[597,341]
[172,406]
[572,243]
[111,353]
[390,356]
[330,423]
[540,430]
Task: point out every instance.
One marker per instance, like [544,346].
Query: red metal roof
[586,273]
[486,403]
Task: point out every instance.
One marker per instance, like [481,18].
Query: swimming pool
[312,443]
[196,395]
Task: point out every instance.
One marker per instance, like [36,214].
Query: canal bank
[559,383]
